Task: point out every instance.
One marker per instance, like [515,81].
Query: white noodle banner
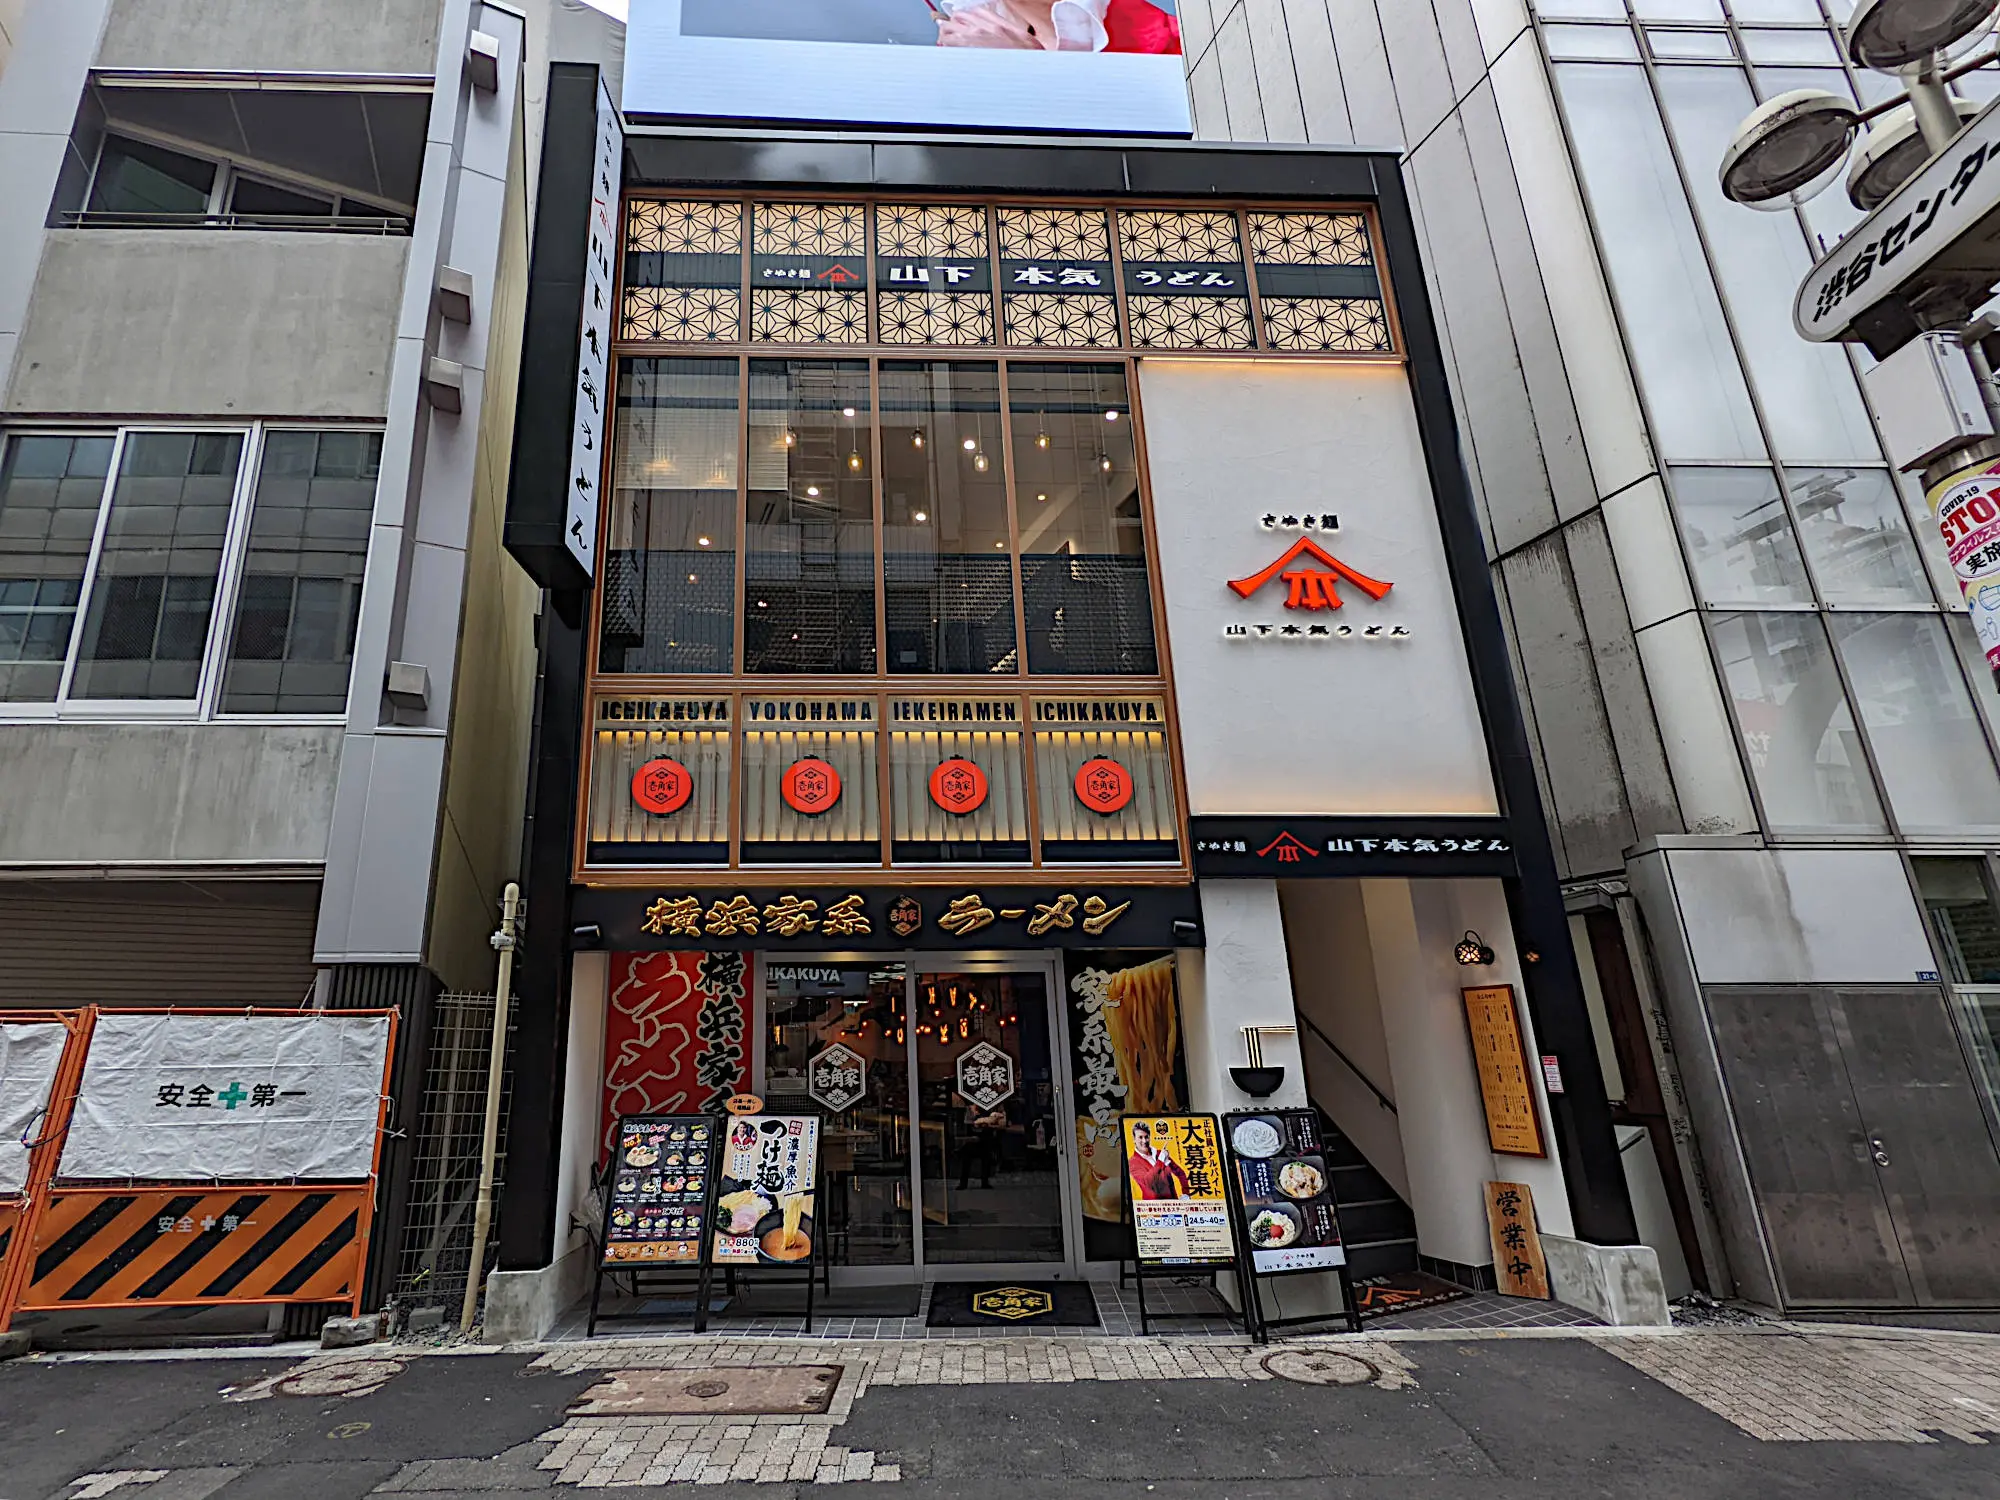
[30,1053]
[242,1098]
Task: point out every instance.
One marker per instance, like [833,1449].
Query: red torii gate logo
[1308,587]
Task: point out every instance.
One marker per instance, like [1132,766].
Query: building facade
[1763,730]
[266,673]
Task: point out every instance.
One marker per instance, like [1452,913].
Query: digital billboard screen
[1092,67]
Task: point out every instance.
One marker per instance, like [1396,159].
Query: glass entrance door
[943,1089]
[990,1153]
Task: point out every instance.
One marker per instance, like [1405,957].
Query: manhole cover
[341,1377]
[1320,1367]
[739,1390]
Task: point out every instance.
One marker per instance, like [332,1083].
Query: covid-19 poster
[1094,67]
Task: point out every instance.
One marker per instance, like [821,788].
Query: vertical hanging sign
[1967,506]
[593,365]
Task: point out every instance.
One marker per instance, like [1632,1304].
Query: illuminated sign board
[1096,67]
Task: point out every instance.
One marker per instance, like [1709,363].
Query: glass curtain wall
[1842,651]
[881,503]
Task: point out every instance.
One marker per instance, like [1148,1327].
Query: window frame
[206,706]
[228,170]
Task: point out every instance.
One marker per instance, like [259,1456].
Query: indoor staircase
[1377,1227]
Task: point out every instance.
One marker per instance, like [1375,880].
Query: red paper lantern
[1103,785]
[662,786]
[958,786]
[810,786]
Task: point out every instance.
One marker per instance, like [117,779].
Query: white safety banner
[247,1098]
[30,1053]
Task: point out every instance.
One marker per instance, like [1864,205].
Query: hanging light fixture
[790,437]
[917,438]
[1041,440]
[979,462]
[1472,949]
[1104,462]
[854,461]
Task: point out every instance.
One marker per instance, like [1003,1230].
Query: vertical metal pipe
[496,1058]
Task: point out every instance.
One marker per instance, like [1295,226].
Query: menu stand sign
[1178,1202]
[659,1201]
[1281,1197]
[764,1223]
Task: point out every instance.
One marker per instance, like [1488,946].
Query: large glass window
[1857,536]
[152,595]
[1739,537]
[51,489]
[809,564]
[1681,349]
[1928,745]
[1084,583]
[670,559]
[1797,729]
[299,602]
[136,178]
[947,554]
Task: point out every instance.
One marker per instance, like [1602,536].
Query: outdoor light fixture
[1889,34]
[1472,949]
[1789,148]
[1890,153]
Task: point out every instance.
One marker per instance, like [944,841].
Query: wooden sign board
[1513,1122]
[1518,1263]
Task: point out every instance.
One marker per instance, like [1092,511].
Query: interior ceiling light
[970,444]
[854,462]
[1788,149]
[701,541]
[1889,34]
[1041,440]
[1890,154]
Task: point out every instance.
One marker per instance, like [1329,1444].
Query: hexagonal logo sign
[837,1077]
[662,786]
[810,786]
[1103,785]
[1013,1303]
[958,786]
[985,1075]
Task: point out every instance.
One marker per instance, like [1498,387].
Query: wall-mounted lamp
[1186,933]
[589,935]
[1472,949]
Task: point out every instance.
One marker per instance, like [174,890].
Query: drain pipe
[496,1058]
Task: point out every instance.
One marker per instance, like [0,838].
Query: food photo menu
[1284,1192]
[660,1176]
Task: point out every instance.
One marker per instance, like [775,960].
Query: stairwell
[1376,1226]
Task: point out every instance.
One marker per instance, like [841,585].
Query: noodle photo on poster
[1017,25]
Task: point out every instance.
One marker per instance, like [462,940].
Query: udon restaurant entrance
[949,1136]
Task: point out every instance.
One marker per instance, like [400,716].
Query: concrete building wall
[11,12]
[299,36]
[157,793]
[150,322]
[1550,424]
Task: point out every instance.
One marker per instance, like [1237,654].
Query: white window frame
[206,705]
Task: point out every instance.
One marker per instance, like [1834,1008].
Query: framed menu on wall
[656,1210]
[1180,1205]
[764,1196]
[1284,1192]
[1513,1122]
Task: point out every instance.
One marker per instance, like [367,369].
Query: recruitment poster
[1285,1207]
[764,1203]
[1126,1058]
[1173,1172]
[662,1166]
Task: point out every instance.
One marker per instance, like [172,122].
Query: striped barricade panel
[10,1221]
[146,1247]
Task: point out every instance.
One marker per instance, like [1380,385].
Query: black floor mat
[1012,1304]
[1405,1291]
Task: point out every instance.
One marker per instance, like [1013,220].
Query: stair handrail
[1353,1067]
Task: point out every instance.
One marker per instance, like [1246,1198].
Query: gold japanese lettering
[1098,915]
[966,915]
[680,917]
[1057,913]
[728,918]
[789,916]
[845,918]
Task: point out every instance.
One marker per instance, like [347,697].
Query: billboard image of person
[1083,66]
[1155,1174]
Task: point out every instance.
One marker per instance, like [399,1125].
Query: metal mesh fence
[444,1169]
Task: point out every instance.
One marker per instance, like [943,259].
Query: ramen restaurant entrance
[949,1127]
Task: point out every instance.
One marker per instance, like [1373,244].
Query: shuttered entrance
[128,942]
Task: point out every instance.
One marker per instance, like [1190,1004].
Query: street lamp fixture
[1887,35]
[1890,153]
[1789,148]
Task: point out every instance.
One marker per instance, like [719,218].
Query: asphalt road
[1488,1420]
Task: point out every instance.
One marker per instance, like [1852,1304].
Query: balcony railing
[391,224]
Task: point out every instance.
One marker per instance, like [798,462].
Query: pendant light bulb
[1041,440]
[790,437]
[917,438]
[979,462]
[854,461]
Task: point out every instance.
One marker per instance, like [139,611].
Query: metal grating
[444,1165]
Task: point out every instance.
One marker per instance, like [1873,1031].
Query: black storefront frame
[835,163]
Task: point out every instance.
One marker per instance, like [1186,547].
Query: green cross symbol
[232,1096]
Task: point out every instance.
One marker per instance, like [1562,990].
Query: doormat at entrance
[1012,1304]
[1405,1291]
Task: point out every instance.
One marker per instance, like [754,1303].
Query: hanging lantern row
[811,786]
